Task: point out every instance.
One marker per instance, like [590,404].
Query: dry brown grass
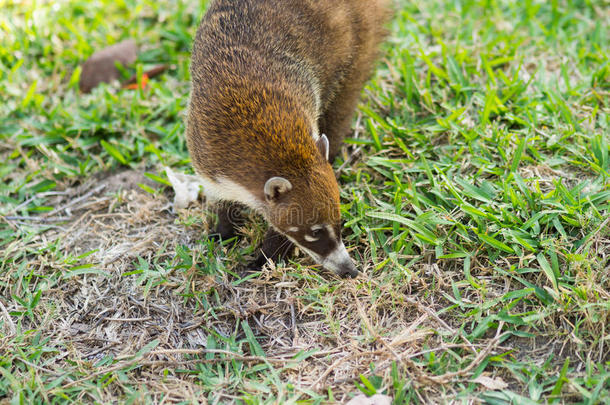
[350,325]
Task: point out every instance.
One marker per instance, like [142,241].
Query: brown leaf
[100,67]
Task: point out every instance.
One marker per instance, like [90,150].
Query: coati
[274,87]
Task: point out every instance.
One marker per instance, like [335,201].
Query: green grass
[478,207]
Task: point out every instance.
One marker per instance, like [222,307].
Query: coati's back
[272,65]
[274,87]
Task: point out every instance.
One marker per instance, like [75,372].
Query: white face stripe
[293,229]
[311,238]
[331,232]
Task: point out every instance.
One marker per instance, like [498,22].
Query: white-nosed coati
[274,88]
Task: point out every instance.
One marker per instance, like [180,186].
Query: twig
[37,367]
[352,157]
[45,218]
[157,70]
[295,330]
[9,320]
[432,314]
[148,318]
[37,219]
[247,358]
[39,195]
[75,201]
[101,349]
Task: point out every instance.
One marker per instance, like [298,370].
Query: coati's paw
[248,269]
[223,231]
[257,264]
[275,246]
[229,219]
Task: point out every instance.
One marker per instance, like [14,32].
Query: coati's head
[306,210]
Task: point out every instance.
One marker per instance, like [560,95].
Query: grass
[477,205]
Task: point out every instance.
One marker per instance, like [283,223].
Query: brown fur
[267,75]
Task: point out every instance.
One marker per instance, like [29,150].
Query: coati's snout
[307,212]
[323,243]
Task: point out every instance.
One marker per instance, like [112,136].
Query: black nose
[348,270]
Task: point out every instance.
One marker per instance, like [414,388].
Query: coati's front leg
[275,246]
[230,217]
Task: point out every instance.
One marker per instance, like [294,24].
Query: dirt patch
[123,180]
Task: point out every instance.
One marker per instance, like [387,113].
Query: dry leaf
[490,383]
[100,67]
[408,335]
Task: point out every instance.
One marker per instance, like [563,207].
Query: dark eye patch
[322,246]
[313,235]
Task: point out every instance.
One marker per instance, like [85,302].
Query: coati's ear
[275,187]
[322,144]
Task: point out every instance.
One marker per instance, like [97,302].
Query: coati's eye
[316,233]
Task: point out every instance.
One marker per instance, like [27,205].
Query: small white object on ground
[186,188]
[490,383]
